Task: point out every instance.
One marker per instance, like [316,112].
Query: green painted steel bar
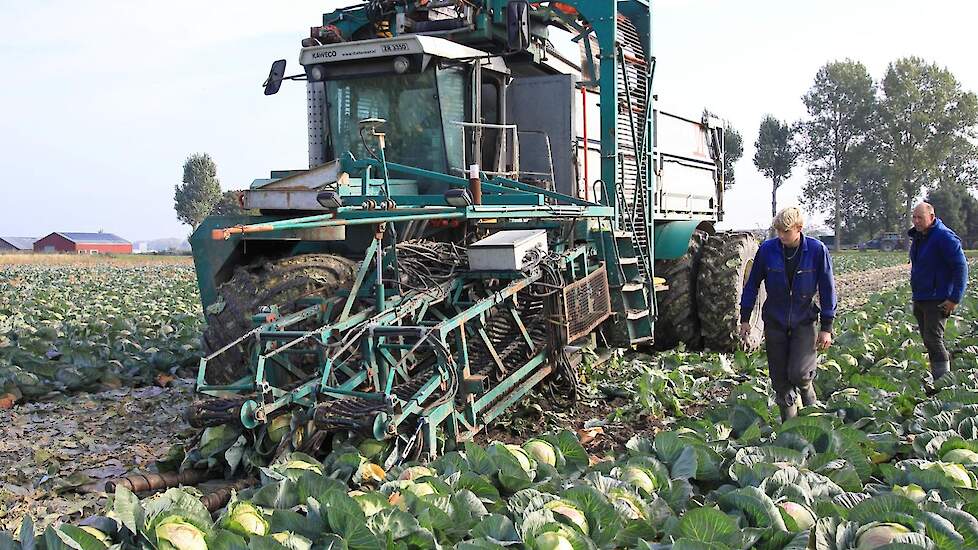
[227,387]
[493,185]
[518,392]
[527,188]
[394,216]
[525,199]
[287,398]
[419,396]
[509,382]
[346,388]
[361,274]
[387,216]
[435,418]
[484,212]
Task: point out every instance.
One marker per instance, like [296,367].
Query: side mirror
[518,25]
[275,76]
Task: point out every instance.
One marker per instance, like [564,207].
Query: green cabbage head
[956,473]
[541,451]
[568,513]
[802,516]
[174,533]
[913,491]
[245,519]
[552,540]
[880,534]
[960,456]
[292,541]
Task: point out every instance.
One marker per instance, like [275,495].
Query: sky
[103,101]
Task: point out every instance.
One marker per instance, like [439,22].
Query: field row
[89,327]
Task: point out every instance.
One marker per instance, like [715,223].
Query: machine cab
[420,85]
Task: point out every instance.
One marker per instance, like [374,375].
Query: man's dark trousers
[791,360]
[930,321]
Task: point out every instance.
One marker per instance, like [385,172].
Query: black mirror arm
[300,76]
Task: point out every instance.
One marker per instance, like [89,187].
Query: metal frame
[405,357]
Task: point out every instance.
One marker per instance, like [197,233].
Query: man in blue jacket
[938,277]
[794,268]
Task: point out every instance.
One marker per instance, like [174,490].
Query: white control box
[506,250]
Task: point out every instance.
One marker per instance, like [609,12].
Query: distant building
[17,244]
[83,243]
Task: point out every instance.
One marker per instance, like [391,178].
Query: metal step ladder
[633,326]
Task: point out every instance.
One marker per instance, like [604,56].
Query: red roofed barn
[83,243]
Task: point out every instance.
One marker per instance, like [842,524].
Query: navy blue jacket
[787,309]
[939,270]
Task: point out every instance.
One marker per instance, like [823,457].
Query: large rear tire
[280,283]
[677,321]
[725,264]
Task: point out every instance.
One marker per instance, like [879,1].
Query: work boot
[788,411]
[808,397]
[939,369]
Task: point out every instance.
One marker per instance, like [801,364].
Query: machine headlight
[401,64]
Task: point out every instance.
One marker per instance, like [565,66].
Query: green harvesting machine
[490,191]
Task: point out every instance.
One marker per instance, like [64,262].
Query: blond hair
[788,218]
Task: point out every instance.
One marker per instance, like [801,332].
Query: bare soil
[855,289]
[55,456]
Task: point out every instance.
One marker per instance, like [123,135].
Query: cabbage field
[94,326]
[851,261]
[705,463]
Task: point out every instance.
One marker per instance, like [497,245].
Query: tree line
[873,148]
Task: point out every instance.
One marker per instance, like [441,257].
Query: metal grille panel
[586,304]
[316,106]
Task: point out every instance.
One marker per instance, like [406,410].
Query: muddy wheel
[677,319]
[280,283]
[725,263]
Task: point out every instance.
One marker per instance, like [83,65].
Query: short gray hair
[788,218]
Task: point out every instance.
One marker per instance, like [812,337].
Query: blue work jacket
[787,308]
[938,270]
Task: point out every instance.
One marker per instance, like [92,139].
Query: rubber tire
[280,283]
[888,247]
[677,320]
[725,263]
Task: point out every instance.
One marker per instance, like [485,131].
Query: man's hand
[745,330]
[823,341]
[948,307]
